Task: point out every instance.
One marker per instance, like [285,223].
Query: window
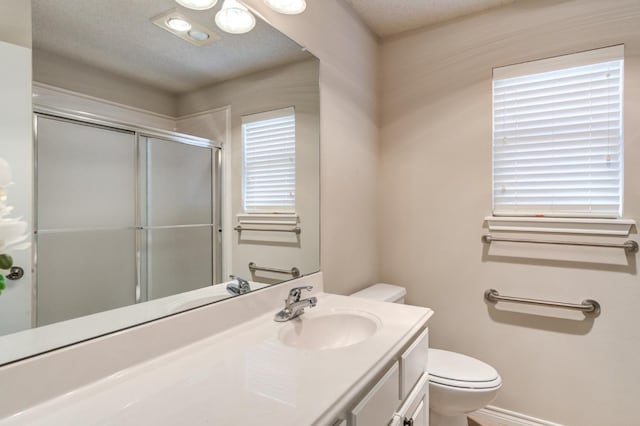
[557,136]
[269,161]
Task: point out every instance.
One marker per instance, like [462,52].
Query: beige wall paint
[348,54]
[15,22]
[435,190]
[72,75]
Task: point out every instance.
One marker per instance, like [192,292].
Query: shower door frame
[139,132]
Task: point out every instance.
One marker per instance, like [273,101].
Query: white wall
[435,190]
[16,148]
[65,73]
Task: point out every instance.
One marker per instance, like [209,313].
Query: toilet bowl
[458,384]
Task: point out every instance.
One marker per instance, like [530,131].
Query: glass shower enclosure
[122,216]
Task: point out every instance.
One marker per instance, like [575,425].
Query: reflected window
[269,161]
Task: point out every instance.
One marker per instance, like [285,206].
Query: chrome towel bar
[296,230]
[588,306]
[294,272]
[629,246]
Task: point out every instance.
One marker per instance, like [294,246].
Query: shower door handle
[15,273]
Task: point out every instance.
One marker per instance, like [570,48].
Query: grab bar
[296,230]
[294,272]
[629,246]
[588,306]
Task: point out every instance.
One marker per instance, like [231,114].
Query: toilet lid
[382,292]
[446,367]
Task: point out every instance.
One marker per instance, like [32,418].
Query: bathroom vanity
[347,361]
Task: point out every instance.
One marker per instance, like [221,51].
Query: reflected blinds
[557,138]
[269,161]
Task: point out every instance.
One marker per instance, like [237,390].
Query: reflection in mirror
[165,161]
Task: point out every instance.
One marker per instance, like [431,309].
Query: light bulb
[197,4]
[288,7]
[234,18]
[178,24]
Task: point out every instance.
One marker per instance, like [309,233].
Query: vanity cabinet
[378,381]
[401,396]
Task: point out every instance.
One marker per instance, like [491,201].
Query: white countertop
[242,376]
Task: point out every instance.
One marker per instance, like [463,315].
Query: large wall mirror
[175,165]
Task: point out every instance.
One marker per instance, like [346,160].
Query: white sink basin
[333,330]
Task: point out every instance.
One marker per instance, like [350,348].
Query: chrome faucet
[241,287]
[293,306]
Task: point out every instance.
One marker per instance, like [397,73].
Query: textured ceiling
[389,17]
[118,36]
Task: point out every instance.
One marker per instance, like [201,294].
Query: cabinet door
[413,363]
[419,416]
[378,406]
[415,409]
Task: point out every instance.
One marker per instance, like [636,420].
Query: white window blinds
[269,161]
[557,136]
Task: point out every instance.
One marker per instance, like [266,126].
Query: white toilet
[458,384]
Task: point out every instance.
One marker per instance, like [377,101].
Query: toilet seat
[460,371]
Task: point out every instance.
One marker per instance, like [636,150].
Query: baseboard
[509,418]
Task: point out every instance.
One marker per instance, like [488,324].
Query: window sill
[616,227]
[268,219]
[286,216]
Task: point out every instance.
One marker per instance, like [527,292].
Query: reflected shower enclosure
[122,216]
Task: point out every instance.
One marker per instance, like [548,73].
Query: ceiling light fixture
[197,4]
[234,18]
[288,7]
[178,24]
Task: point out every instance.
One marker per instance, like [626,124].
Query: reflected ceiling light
[288,7]
[197,4]
[198,35]
[178,24]
[234,18]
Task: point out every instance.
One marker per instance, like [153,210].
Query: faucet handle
[294,293]
[298,290]
[237,278]
[243,284]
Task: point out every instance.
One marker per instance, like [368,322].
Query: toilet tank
[383,293]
